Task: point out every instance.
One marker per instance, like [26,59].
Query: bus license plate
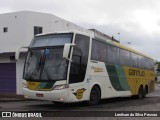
[39,94]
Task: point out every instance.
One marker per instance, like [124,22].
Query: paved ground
[118,105]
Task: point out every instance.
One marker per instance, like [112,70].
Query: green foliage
[157,70]
[157,63]
[158,82]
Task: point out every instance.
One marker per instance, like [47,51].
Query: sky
[137,21]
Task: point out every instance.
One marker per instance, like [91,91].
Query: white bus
[72,66]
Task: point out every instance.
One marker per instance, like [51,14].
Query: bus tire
[145,91]
[140,93]
[95,96]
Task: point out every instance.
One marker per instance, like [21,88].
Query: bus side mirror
[66,50]
[18,51]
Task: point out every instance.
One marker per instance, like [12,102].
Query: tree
[157,68]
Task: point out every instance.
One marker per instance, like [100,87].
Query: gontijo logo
[79,93]
[134,72]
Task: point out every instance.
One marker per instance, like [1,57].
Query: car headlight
[59,87]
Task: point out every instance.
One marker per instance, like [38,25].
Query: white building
[17,29]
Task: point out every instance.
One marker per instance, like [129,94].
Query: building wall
[21,31]
[15,36]
[19,75]
[21,28]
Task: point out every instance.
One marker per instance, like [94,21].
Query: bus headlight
[25,85]
[59,87]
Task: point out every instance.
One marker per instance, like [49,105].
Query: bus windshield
[51,40]
[44,61]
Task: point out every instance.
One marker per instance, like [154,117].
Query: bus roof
[69,31]
[130,49]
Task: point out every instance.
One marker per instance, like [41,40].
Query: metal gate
[7,77]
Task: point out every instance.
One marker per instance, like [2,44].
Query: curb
[9,97]
[14,100]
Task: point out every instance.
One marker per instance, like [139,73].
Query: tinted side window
[142,62]
[134,60]
[147,65]
[124,57]
[79,59]
[98,51]
[112,54]
[151,64]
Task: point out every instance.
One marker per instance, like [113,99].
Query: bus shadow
[52,106]
[127,101]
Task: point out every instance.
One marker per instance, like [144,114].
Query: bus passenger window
[112,54]
[98,51]
[134,60]
[124,57]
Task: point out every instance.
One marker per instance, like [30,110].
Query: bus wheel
[140,93]
[145,92]
[94,96]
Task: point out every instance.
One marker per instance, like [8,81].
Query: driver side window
[79,59]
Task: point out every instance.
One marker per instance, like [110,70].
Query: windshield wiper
[47,74]
[40,68]
[37,69]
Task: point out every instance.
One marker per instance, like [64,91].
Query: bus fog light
[59,87]
[25,96]
[61,99]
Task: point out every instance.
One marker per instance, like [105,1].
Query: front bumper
[54,95]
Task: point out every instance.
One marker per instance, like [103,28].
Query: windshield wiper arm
[39,67]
